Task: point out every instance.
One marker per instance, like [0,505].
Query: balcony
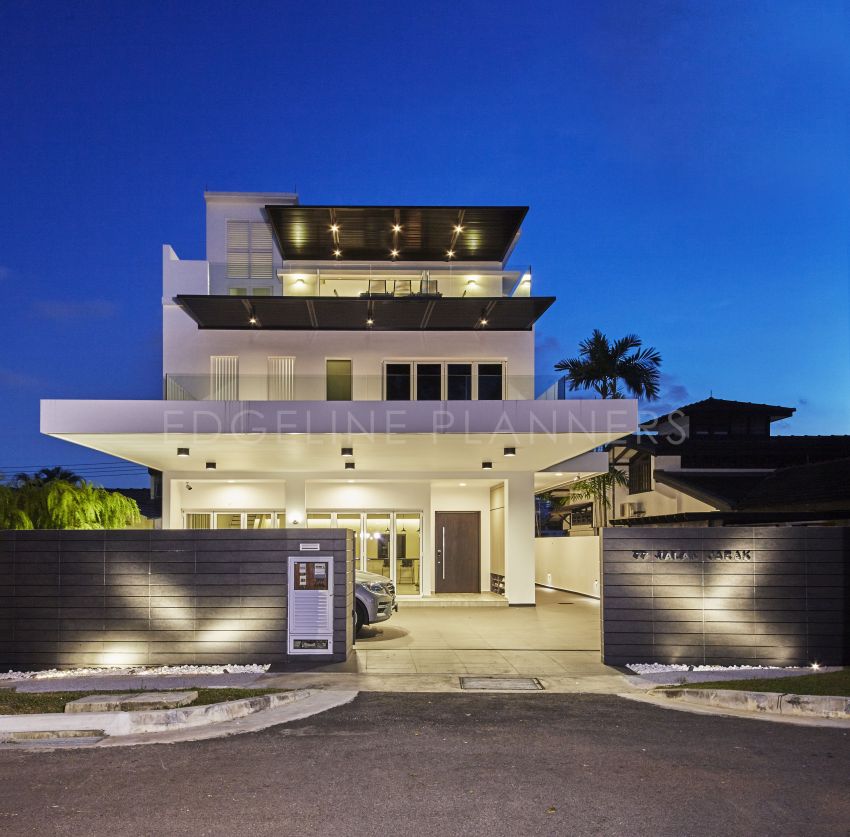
[403,382]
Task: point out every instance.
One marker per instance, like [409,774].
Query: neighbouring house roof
[721,405]
[754,452]
[414,313]
[150,507]
[366,233]
[724,491]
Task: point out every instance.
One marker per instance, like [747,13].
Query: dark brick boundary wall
[736,595]
[159,597]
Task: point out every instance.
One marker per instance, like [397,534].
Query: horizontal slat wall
[157,597]
[741,595]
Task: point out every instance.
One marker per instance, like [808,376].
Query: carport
[560,636]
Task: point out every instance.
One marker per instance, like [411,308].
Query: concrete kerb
[117,724]
[767,703]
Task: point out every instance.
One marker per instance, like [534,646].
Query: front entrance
[457,543]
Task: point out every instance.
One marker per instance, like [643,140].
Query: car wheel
[361,618]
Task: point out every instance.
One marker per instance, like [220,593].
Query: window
[281,378]
[250,250]
[429,381]
[459,381]
[224,377]
[490,382]
[338,380]
[231,519]
[640,473]
[398,382]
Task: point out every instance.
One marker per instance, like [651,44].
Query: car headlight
[374,586]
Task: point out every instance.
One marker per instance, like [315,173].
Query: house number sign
[692,555]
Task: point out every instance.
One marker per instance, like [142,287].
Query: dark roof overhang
[722,406]
[354,313]
[417,233]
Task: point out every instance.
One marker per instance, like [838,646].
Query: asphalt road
[402,764]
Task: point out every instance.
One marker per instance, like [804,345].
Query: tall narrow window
[490,382]
[459,382]
[428,382]
[398,382]
[338,380]
[281,379]
[250,250]
[224,377]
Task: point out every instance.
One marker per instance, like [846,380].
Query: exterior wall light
[487,466]
[510,451]
[182,451]
[346,451]
[349,466]
[210,466]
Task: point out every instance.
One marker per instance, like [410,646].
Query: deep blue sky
[686,165]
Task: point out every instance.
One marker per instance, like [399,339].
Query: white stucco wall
[568,564]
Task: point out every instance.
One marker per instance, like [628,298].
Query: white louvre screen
[261,251]
[281,379]
[224,377]
[238,249]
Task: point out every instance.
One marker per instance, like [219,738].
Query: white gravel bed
[133,677]
[664,674]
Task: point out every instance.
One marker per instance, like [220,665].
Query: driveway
[412,764]
[553,638]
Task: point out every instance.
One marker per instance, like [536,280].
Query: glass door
[378,543]
[408,553]
[353,521]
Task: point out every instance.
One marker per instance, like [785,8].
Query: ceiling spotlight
[450,253]
[462,484]
[458,228]
[210,466]
[396,227]
[394,253]
[487,466]
[370,321]
[483,321]
[182,451]
[337,253]
[349,466]
[188,486]
[253,321]
[510,451]
[334,228]
[347,451]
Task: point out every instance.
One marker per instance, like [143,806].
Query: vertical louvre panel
[238,249]
[281,379]
[224,377]
[261,251]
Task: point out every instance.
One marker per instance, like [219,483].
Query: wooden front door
[457,540]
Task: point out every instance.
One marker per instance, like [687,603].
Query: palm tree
[602,365]
[598,489]
[47,475]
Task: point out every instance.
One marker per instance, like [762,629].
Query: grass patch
[834,683]
[36,703]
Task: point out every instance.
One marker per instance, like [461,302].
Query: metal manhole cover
[501,684]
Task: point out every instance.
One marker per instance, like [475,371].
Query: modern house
[715,463]
[359,367]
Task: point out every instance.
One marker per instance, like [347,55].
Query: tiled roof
[722,405]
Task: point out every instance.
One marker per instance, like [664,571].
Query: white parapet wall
[570,563]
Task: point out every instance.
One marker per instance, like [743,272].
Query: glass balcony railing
[368,280]
[422,382]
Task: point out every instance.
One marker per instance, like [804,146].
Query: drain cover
[501,684]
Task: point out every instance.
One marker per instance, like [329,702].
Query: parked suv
[374,599]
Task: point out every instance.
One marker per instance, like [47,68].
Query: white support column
[519,539]
[296,502]
[165,489]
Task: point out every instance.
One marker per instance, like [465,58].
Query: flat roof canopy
[403,233]
[353,313]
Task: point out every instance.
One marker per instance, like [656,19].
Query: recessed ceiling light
[346,451]
[394,253]
[370,321]
[487,466]
[483,321]
[349,480]
[510,451]
[450,253]
[396,227]
[462,484]
[210,466]
[349,466]
[334,227]
[458,228]
[337,253]
[182,451]
[253,321]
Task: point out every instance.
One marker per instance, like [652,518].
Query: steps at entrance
[456,600]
